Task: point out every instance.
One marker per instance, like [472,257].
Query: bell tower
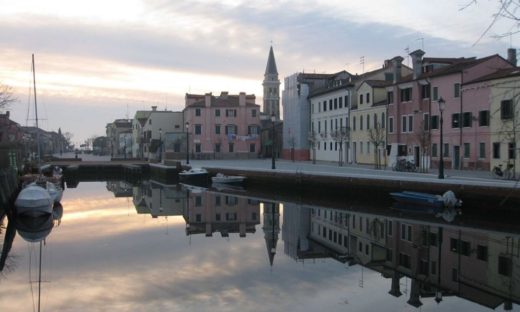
[271,86]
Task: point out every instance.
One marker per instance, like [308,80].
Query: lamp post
[187,143]
[442,106]
[273,166]
[160,144]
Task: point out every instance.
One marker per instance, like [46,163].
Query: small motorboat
[34,201]
[224,179]
[194,176]
[425,202]
[55,192]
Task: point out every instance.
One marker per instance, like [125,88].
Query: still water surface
[152,247]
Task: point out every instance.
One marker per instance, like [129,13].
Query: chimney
[7,114]
[242,99]
[511,56]
[154,108]
[397,65]
[224,95]
[417,62]
[207,99]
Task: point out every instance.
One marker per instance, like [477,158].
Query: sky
[100,60]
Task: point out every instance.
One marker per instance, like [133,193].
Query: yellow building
[368,123]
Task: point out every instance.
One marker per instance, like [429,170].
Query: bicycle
[506,174]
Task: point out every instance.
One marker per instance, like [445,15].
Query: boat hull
[33,201]
[419,202]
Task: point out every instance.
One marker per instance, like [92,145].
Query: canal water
[154,247]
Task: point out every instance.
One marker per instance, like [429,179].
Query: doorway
[456,157]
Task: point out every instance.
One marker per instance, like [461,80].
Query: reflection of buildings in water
[271,228]
[474,264]
[120,188]
[159,200]
[210,212]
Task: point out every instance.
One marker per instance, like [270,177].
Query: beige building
[158,126]
[368,123]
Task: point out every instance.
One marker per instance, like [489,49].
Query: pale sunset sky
[99,60]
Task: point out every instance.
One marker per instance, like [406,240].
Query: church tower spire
[271,86]
[271,229]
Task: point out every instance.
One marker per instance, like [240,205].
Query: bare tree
[6,96]
[506,10]
[424,138]
[339,136]
[312,142]
[376,136]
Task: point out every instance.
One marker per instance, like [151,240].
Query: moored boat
[224,179]
[194,176]
[33,200]
[425,202]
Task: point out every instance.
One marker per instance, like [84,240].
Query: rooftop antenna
[407,50]
[422,43]
[362,62]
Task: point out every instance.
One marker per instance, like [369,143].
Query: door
[417,155]
[354,152]
[456,157]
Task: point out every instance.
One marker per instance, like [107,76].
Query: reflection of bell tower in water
[271,228]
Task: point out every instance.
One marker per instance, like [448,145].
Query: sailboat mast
[36,109]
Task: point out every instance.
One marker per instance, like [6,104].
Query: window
[231,112]
[511,147]
[390,124]
[360,247]
[454,275]
[231,147]
[496,150]
[217,113]
[455,120]
[217,147]
[366,249]
[197,148]
[252,148]
[217,129]
[483,118]
[406,232]
[390,97]
[504,266]
[456,90]
[482,150]
[467,148]
[404,260]
[253,130]
[340,102]
[253,113]
[354,123]
[410,123]
[506,109]
[354,221]
[231,129]
[361,224]
[330,104]
[324,106]
[361,122]
[346,101]
[361,99]
[482,252]
[425,91]
[466,119]
[403,126]
[368,98]
[435,93]
[423,267]
[197,111]
[434,150]
[389,77]
[406,95]
[217,217]
[383,120]
[435,122]
[198,129]
[368,122]
[198,201]
[446,150]
[335,103]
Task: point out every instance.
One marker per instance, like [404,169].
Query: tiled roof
[501,73]
[378,83]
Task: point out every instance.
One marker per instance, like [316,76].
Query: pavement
[468,177]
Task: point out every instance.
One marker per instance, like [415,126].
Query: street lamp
[160,144]
[442,106]
[187,143]
[273,118]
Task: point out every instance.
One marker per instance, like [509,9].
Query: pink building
[223,127]
[466,116]
[414,116]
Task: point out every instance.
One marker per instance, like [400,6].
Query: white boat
[224,179]
[34,201]
[193,172]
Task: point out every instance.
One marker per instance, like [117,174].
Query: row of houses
[393,112]
[18,142]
